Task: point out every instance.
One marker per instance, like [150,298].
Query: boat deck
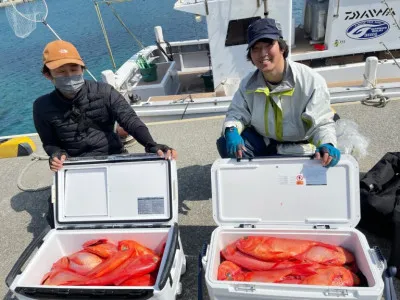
[302,44]
[22,212]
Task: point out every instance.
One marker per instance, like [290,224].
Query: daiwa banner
[363,25]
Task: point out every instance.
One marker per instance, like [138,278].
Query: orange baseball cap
[58,53]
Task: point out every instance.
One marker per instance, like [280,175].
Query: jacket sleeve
[129,120]
[318,116]
[49,140]
[238,114]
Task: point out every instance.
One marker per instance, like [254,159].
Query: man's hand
[121,132]
[328,154]
[162,151]
[234,142]
[56,161]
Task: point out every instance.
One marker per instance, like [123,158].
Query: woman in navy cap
[281,108]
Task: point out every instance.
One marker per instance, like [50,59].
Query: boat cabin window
[237,31]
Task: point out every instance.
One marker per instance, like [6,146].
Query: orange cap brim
[58,63]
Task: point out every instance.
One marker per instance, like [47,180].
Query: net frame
[23,20]
[23,17]
[31,9]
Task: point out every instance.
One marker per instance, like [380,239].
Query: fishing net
[23,16]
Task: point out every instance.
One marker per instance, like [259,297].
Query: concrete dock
[22,211]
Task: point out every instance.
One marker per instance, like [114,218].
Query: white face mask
[69,84]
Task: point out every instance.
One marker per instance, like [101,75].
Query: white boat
[353,46]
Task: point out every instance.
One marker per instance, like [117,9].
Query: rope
[103,28]
[35,158]
[337,10]
[376,102]
[206,6]
[391,13]
[123,24]
[380,101]
[169,56]
[186,107]
[369,81]
[390,53]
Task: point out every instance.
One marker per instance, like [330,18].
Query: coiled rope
[35,158]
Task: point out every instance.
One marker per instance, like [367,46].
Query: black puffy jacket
[84,126]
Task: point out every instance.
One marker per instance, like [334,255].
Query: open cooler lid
[285,192]
[131,190]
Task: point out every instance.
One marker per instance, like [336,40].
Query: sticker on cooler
[151,205]
[300,179]
[291,180]
[309,176]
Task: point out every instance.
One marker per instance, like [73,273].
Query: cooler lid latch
[321,226]
[336,292]
[245,288]
[247,226]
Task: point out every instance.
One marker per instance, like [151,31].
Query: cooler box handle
[388,272]
[16,269]
[202,254]
[166,272]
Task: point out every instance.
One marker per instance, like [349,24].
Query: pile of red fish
[291,261]
[101,262]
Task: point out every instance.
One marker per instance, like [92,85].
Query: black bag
[380,202]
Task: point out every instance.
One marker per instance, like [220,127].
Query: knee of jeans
[221,147]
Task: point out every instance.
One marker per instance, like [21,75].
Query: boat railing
[190,1]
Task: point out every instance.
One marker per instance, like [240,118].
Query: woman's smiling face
[267,56]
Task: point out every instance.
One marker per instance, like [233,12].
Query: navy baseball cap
[262,29]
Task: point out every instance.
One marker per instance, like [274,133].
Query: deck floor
[302,44]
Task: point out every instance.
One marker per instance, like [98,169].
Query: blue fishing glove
[233,140]
[332,151]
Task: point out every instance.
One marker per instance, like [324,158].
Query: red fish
[232,254]
[145,280]
[134,266]
[100,247]
[288,275]
[227,270]
[331,276]
[326,256]
[113,261]
[83,262]
[139,248]
[62,263]
[61,277]
[80,262]
[275,249]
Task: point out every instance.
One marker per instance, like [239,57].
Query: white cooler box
[117,197]
[289,198]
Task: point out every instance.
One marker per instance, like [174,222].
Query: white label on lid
[287,180]
[151,205]
[291,180]
[315,175]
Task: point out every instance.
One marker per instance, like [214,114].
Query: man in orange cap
[77,118]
